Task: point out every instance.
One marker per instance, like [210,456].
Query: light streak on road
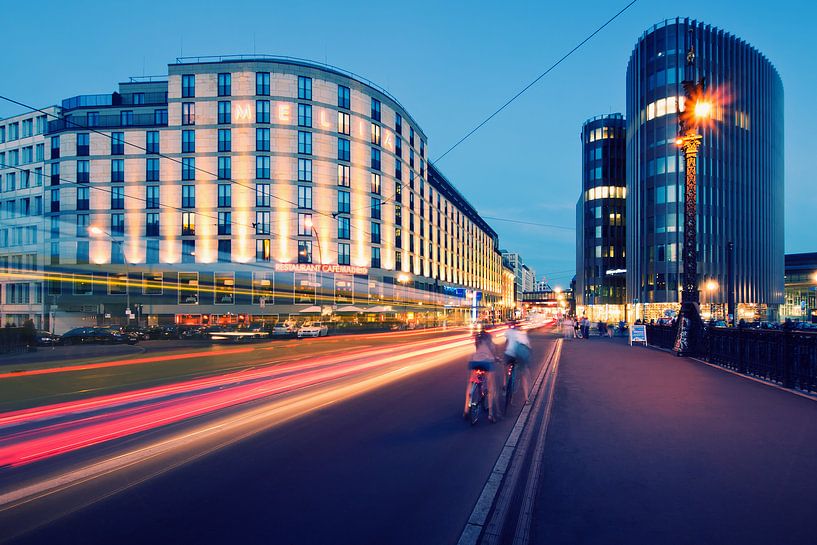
[195,398]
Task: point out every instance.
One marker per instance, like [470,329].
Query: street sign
[638,334]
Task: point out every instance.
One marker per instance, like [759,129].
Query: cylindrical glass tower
[600,219]
[740,171]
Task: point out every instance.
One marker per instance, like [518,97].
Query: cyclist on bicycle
[484,359]
[517,353]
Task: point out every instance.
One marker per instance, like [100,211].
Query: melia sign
[322,268]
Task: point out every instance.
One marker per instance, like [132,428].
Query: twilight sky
[450,64]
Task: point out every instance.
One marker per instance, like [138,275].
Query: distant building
[600,220]
[523,274]
[801,288]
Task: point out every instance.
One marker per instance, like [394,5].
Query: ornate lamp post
[697,109]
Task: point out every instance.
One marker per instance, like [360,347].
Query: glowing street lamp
[311,226]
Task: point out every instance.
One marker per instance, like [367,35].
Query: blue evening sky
[450,64]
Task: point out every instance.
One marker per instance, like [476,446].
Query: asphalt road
[644,447]
[392,464]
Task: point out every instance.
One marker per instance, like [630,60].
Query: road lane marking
[508,461]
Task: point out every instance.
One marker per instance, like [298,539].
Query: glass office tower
[740,172]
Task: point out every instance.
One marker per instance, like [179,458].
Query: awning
[378,309]
[310,310]
[350,308]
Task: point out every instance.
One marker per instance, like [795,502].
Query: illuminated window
[262,84]
[304,88]
[344,123]
[304,224]
[189,286]
[262,111]
[375,183]
[188,223]
[343,98]
[263,249]
[344,178]
[188,113]
[305,142]
[304,251]
[262,222]
[375,134]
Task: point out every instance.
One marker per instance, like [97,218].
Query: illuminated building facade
[600,220]
[801,288]
[740,172]
[242,189]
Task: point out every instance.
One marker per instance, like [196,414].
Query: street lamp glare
[308,222]
[95,230]
[711,285]
[703,109]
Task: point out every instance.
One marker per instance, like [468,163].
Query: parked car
[284,329]
[313,329]
[141,332]
[119,334]
[45,338]
[96,335]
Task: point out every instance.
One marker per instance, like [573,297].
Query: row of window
[30,127]
[22,156]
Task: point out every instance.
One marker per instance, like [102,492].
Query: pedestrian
[577,328]
[610,328]
[585,327]
[567,328]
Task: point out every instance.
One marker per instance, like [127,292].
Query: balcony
[80,121]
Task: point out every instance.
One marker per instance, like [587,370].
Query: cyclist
[517,353]
[484,358]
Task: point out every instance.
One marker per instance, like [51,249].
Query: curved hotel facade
[247,189]
[740,176]
[600,220]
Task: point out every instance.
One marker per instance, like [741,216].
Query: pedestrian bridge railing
[785,357]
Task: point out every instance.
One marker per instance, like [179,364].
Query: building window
[55,200]
[375,233]
[117,225]
[117,144]
[188,141]
[225,223]
[225,85]
[262,222]
[376,210]
[375,134]
[375,258]
[344,253]
[262,111]
[152,224]
[188,256]
[344,123]
[305,142]
[411,137]
[188,86]
[225,168]
[262,195]
[83,172]
[263,249]
[262,83]
[117,198]
[188,168]
[398,124]
[152,169]
[224,112]
[343,202]
[344,176]
[225,140]
[117,170]
[262,168]
[304,115]
[160,116]
[304,224]
[304,88]
[398,237]
[55,147]
[82,225]
[83,144]
[188,223]
[304,251]
[343,227]
[375,109]
[225,195]
[152,141]
[398,169]
[304,170]
[343,97]
[422,151]
[398,260]
[152,256]
[304,197]
[188,196]
[188,113]
[375,164]
[375,187]
[126,118]
[344,153]
[262,139]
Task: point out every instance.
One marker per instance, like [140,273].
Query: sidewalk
[645,447]
[47,354]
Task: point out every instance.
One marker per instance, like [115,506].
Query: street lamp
[97,232]
[311,226]
[698,109]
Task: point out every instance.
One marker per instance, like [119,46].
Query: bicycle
[479,394]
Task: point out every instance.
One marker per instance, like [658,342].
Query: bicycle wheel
[476,402]
[509,387]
